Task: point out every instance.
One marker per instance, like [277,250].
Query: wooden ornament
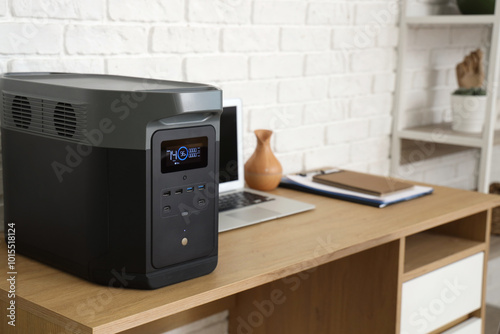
[263,170]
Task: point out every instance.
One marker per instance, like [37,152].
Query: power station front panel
[184,195]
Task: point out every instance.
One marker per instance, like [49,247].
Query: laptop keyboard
[240,199]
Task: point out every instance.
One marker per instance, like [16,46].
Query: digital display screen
[183,154]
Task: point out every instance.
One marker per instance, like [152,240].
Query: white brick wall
[262,93]
[288,116]
[352,37]
[347,131]
[325,112]
[300,138]
[62,9]
[326,13]
[146,10]
[248,39]
[105,39]
[161,67]
[219,11]
[380,12]
[305,39]
[279,12]
[19,38]
[301,67]
[384,82]
[180,39]
[318,73]
[325,62]
[350,85]
[367,60]
[372,105]
[303,89]
[83,65]
[337,155]
[216,67]
[276,66]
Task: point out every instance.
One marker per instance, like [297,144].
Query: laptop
[240,206]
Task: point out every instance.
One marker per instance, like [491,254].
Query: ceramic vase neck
[263,137]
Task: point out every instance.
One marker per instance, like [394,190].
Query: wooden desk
[337,269]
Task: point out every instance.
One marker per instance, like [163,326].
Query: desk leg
[355,294]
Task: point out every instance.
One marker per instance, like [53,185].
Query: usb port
[201,187]
[189,189]
[178,191]
[166,193]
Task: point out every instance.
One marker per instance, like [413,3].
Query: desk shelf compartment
[445,244]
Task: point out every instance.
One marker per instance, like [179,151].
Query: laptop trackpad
[254,214]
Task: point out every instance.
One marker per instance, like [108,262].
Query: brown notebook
[361,182]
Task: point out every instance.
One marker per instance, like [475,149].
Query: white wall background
[319,73]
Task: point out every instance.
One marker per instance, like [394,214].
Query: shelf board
[443,134]
[450,19]
[408,147]
[427,251]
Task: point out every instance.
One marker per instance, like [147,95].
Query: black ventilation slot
[57,119]
[65,119]
[21,112]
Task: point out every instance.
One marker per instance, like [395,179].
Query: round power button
[184,241]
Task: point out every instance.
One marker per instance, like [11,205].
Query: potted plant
[476,7]
[468,103]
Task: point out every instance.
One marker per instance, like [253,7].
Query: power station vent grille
[21,112]
[65,119]
[51,118]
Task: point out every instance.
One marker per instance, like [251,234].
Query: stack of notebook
[356,187]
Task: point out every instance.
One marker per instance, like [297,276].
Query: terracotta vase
[263,170]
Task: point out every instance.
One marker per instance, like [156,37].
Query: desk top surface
[248,257]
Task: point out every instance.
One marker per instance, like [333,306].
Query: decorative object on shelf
[263,170]
[476,7]
[495,216]
[468,103]
[468,111]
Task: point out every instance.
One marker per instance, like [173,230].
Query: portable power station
[111,178]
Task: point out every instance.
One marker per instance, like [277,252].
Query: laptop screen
[230,153]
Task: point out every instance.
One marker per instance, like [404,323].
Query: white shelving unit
[442,133]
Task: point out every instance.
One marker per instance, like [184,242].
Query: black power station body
[112,178]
